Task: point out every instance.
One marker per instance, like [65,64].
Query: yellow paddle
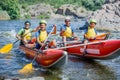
[29,68]
[104,36]
[7,48]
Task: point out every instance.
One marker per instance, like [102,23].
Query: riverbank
[108,17]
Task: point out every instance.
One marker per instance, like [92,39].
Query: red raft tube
[101,49]
[49,59]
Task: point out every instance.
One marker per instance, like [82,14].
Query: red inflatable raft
[50,58]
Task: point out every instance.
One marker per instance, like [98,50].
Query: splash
[9,35]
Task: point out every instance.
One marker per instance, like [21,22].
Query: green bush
[43,16]
[12,8]
[24,6]
[27,16]
[0,8]
[88,4]
[92,4]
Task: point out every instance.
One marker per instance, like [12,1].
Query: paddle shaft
[67,42]
[18,39]
[42,46]
[78,45]
[15,41]
[76,41]
[8,47]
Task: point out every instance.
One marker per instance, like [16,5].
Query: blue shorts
[38,46]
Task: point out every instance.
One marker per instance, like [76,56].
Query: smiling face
[27,26]
[92,25]
[42,26]
[67,22]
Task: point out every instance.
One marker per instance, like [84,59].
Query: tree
[12,8]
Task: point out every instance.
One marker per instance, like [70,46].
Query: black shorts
[38,46]
[22,43]
[70,38]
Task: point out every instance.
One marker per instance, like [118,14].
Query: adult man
[67,31]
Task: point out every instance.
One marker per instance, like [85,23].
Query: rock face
[37,10]
[61,12]
[109,16]
[72,10]
[111,1]
[4,15]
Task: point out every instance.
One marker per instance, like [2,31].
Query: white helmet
[67,19]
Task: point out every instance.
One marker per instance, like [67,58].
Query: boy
[42,34]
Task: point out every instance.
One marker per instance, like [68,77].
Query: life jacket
[91,32]
[26,34]
[43,35]
[67,31]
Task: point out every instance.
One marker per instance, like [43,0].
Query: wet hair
[27,22]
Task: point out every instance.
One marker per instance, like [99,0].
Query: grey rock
[111,1]
[36,10]
[4,15]
[72,10]
[34,78]
[59,11]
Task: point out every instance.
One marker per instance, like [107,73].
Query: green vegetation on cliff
[88,4]
[12,8]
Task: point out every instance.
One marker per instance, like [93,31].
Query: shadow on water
[52,74]
[92,70]
[46,74]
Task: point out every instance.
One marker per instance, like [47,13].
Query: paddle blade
[102,36]
[6,48]
[26,69]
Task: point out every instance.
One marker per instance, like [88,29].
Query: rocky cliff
[65,10]
[72,10]
[109,16]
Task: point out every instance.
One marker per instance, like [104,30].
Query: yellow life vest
[68,32]
[91,32]
[27,34]
[43,36]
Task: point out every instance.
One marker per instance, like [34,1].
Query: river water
[76,68]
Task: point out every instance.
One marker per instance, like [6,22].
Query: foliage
[24,6]
[12,8]
[92,4]
[27,16]
[88,4]
[43,16]
[0,8]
